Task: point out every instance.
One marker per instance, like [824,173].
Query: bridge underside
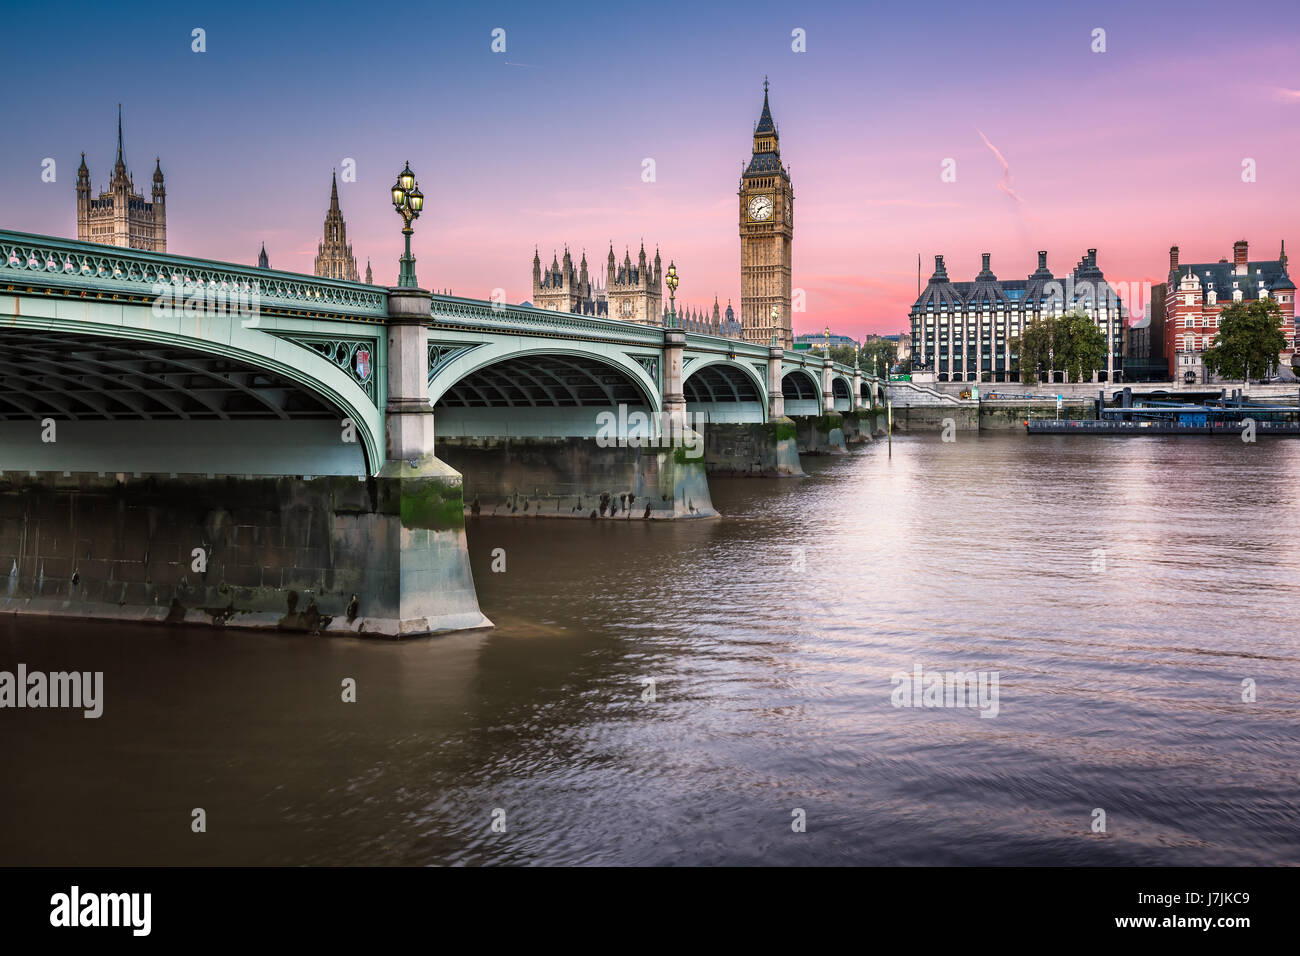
[102,403]
[723,393]
[533,396]
[800,392]
[538,434]
[843,394]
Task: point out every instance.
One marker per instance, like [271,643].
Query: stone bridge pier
[428,582]
[591,437]
[816,398]
[762,446]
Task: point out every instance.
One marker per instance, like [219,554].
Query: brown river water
[1121,589]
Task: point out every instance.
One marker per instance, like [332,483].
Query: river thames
[1121,590]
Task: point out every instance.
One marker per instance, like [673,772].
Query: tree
[876,354]
[1081,347]
[1034,346]
[1071,343]
[1249,340]
[879,355]
[844,354]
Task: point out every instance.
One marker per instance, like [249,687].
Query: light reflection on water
[771,635]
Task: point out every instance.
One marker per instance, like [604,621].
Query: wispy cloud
[1286,95]
[1005,184]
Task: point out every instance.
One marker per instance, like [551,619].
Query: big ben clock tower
[766,237]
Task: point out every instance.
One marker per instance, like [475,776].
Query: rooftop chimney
[1173,258]
[985,258]
[1239,256]
[940,271]
[1042,258]
[1092,257]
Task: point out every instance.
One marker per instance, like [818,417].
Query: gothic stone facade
[562,288]
[766,238]
[632,292]
[719,323]
[334,258]
[121,216]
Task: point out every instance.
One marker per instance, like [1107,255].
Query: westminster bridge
[193,441]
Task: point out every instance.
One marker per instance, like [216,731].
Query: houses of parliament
[633,292]
[629,291]
[120,216]
[334,258]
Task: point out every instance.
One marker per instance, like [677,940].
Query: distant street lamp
[672,295]
[828,341]
[408,201]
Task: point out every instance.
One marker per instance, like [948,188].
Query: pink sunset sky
[1056,147]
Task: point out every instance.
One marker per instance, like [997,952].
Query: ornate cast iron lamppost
[408,201]
[672,295]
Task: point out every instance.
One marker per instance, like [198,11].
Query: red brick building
[1198,291]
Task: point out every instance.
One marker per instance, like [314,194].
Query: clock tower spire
[766,237]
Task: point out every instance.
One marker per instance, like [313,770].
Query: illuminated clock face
[760,208]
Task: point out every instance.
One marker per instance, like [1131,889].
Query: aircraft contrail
[1005,184]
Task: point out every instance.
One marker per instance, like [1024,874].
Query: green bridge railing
[457,312]
[48,262]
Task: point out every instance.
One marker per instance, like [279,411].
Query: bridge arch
[496,390]
[725,391]
[801,391]
[131,391]
[842,390]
